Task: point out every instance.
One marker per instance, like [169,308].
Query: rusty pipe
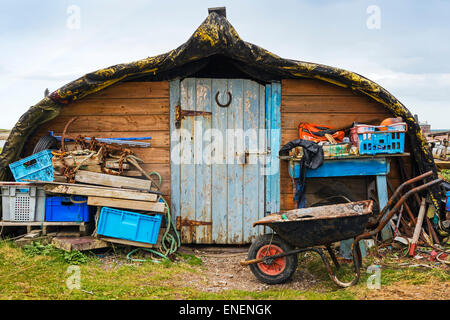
[386,219]
[398,190]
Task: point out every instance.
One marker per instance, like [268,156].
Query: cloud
[408,56]
[3,70]
[49,76]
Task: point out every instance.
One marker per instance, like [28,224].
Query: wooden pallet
[83,226]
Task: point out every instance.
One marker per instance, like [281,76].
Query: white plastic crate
[23,203]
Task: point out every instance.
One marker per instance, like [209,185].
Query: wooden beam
[79,243]
[126,204]
[111,180]
[127,242]
[101,192]
[40,223]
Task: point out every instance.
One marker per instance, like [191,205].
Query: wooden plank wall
[129,109]
[315,101]
[142,109]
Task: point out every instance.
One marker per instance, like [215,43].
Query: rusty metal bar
[397,192]
[386,219]
[333,257]
[191,223]
[63,136]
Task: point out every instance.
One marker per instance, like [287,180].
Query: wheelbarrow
[273,258]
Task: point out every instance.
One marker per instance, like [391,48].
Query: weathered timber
[100,192]
[127,242]
[79,243]
[112,181]
[126,204]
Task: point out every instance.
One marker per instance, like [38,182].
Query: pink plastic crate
[360,128]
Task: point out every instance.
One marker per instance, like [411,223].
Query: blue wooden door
[217,159]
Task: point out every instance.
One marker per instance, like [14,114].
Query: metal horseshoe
[226,104]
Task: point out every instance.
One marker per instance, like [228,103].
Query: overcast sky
[406,50]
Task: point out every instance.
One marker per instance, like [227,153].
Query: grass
[446,174]
[40,272]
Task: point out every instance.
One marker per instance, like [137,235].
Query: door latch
[257,153]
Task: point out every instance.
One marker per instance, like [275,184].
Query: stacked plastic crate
[25,201]
[22,203]
[372,140]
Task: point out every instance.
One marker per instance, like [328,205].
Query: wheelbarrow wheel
[273,271]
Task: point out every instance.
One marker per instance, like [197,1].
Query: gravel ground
[222,271]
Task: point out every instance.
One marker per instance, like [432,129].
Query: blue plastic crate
[129,225]
[59,208]
[35,167]
[382,142]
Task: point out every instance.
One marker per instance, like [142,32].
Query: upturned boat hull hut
[190,97]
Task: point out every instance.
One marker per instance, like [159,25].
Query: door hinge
[180,114]
[191,223]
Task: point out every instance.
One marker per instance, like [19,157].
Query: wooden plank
[270,123]
[126,204]
[162,168]
[115,123]
[127,242]
[235,158]
[219,169]
[175,187]
[39,223]
[203,233]
[366,167]
[337,120]
[312,87]
[108,107]
[382,190]
[111,181]
[134,90]
[153,155]
[262,146]
[105,193]
[187,165]
[274,140]
[251,176]
[330,104]
[79,243]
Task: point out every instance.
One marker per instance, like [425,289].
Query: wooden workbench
[353,165]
